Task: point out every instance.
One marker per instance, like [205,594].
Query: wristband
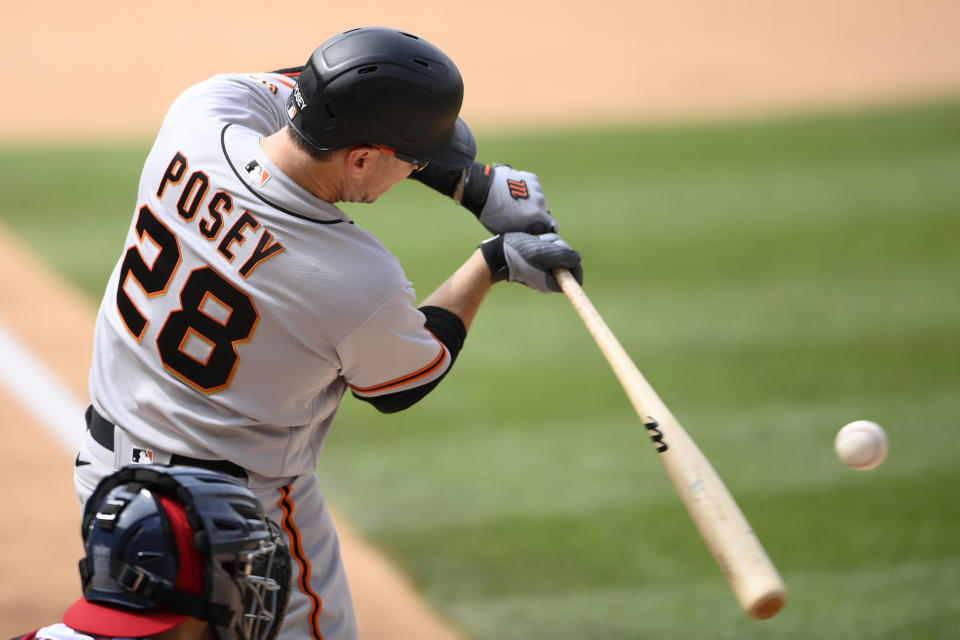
[492,250]
[476,187]
[439,179]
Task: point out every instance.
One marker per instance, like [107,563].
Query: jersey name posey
[193,194]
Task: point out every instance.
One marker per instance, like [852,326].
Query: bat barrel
[752,576]
[768,605]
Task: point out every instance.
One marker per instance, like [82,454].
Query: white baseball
[862,445]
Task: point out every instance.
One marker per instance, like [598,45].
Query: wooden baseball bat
[752,576]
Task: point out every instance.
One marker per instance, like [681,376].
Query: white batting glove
[506,200]
[530,259]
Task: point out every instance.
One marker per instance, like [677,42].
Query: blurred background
[766,197]
[110,68]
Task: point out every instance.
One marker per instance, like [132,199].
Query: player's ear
[357,159]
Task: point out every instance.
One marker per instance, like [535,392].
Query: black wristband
[492,251]
[477,187]
[443,180]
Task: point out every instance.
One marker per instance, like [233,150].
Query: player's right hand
[505,199]
[530,259]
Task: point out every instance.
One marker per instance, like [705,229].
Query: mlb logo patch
[142,456]
[257,173]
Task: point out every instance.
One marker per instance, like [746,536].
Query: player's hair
[306,147]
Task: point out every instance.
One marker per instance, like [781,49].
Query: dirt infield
[79,71]
[112,67]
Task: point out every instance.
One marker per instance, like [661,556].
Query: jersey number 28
[212,311]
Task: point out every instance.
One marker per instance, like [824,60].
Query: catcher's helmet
[383,86]
[164,543]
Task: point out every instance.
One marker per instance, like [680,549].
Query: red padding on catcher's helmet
[103,620]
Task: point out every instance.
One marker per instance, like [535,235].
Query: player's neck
[322,179]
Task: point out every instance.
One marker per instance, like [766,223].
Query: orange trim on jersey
[411,377]
[285,82]
[296,551]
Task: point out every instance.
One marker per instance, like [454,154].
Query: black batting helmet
[164,543]
[383,86]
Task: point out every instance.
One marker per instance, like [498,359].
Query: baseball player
[246,303]
[176,553]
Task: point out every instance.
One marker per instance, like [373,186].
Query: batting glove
[505,200]
[530,259]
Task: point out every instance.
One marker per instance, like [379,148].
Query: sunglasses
[418,164]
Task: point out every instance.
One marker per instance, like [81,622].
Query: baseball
[862,445]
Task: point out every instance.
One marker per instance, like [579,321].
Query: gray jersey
[243,306]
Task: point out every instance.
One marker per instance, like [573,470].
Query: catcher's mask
[166,543]
[375,85]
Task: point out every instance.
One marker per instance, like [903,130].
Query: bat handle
[566,280]
[633,382]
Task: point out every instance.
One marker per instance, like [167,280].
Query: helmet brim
[111,621]
[459,152]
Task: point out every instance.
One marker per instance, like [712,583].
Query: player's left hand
[530,259]
[505,199]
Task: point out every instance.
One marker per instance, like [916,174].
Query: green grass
[72,204]
[773,280]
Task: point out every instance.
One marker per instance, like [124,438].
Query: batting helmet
[164,543]
[383,86]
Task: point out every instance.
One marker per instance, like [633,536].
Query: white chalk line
[40,391]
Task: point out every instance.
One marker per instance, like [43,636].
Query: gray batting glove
[530,259]
[505,200]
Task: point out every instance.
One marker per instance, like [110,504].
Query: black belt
[102,431]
